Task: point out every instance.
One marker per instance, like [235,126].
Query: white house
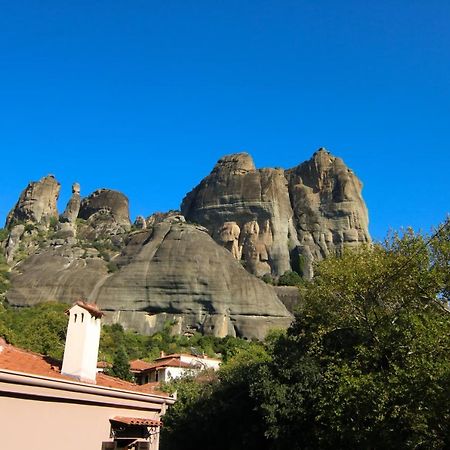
[170,367]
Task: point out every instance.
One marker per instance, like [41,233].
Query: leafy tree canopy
[364,365]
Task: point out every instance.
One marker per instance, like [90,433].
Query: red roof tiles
[138,365]
[19,360]
[90,307]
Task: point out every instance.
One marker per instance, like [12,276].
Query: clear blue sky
[144,96]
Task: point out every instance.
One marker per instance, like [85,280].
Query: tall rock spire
[275,220]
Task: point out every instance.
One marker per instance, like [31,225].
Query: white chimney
[83,339]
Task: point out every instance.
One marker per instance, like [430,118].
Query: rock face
[329,211]
[247,211]
[37,203]
[178,270]
[174,271]
[276,220]
[106,202]
[59,273]
[70,214]
[267,221]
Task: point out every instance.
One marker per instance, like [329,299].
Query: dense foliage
[365,364]
[42,329]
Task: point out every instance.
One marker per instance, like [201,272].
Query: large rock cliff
[277,220]
[199,273]
[247,211]
[173,271]
[329,211]
[37,203]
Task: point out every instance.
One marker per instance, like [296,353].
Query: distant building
[170,367]
[45,406]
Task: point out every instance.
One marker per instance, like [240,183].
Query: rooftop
[90,307]
[19,360]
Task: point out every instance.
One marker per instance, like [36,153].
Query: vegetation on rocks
[42,329]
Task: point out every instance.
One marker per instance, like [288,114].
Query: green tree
[365,363]
[216,410]
[41,328]
[121,366]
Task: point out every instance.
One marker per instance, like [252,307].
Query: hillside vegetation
[42,329]
[365,365]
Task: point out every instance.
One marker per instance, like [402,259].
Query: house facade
[170,367]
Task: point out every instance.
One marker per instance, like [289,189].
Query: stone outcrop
[246,210]
[106,202]
[329,211]
[158,217]
[275,220]
[177,269]
[174,271]
[58,273]
[70,214]
[196,272]
[140,223]
[13,241]
[37,203]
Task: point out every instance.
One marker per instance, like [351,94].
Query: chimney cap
[90,307]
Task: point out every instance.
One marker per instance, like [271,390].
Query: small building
[45,405]
[170,367]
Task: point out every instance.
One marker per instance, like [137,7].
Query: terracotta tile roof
[169,362]
[136,421]
[90,307]
[19,360]
[138,365]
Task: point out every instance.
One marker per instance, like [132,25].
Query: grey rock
[106,202]
[275,220]
[158,217]
[59,273]
[140,223]
[66,230]
[70,214]
[13,242]
[246,210]
[329,211]
[179,270]
[289,296]
[37,203]
[173,271]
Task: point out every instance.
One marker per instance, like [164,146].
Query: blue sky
[144,96]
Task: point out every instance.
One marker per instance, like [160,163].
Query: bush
[290,279]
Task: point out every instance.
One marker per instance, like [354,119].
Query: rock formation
[329,212]
[70,214]
[140,223]
[246,210]
[275,220]
[268,221]
[108,203]
[173,271]
[37,203]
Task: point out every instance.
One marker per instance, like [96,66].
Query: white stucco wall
[206,363]
[82,342]
[53,415]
